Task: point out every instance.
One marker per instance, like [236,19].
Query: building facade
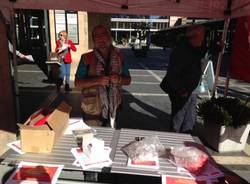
[126,29]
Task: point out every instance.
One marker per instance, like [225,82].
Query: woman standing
[63,48]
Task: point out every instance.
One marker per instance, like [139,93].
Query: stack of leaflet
[87,161]
[146,164]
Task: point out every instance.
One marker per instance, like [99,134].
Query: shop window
[68,21]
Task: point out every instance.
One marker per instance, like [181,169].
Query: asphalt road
[146,104]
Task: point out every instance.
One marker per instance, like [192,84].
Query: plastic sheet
[190,158]
[146,149]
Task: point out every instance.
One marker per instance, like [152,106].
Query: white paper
[94,149]
[170,179]
[155,164]
[35,173]
[30,58]
[53,62]
[87,163]
[64,47]
[76,163]
[16,146]
[76,124]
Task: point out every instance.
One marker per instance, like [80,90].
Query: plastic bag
[146,149]
[191,158]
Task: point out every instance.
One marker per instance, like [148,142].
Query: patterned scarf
[111,95]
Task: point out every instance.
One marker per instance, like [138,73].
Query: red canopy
[186,8]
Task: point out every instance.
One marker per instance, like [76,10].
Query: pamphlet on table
[146,164]
[87,162]
[76,124]
[16,146]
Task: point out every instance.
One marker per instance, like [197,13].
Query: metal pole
[45,12]
[227,12]
[116,33]
[13,37]
[223,42]
[226,85]
[130,31]
[116,37]
[46,32]
[14,62]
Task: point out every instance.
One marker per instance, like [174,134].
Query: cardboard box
[40,132]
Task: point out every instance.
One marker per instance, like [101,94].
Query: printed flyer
[34,173]
[147,164]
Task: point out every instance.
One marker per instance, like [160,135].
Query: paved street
[145,105]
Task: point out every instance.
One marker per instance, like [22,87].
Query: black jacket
[184,68]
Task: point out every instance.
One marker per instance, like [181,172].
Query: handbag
[91,101]
[164,85]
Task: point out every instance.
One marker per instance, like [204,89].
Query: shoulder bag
[91,101]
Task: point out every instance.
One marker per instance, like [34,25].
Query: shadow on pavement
[134,113]
[138,114]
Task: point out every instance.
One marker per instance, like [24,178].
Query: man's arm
[18,53]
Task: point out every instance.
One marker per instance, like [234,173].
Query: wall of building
[82,47]
[86,22]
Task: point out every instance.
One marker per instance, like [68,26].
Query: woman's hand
[102,80]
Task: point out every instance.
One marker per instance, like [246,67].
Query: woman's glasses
[60,35]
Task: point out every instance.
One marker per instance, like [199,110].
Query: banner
[240,57]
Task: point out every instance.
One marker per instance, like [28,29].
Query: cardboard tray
[42,138]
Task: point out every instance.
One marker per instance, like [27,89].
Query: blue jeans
[183,114]
[65,72]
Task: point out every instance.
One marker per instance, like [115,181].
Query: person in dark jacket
[183,76]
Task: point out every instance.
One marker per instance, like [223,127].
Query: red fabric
[42,121]
[67,58]
[240,58]
[89,57]
[35,173]
[198,166]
